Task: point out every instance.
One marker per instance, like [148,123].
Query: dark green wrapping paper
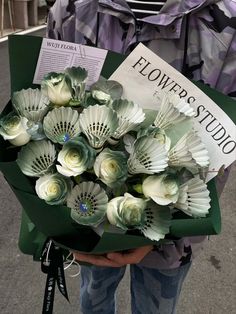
[40,220]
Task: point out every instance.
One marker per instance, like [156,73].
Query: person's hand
[133,256]
[97,260]
[115,259]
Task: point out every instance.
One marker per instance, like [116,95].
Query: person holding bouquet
[198,38]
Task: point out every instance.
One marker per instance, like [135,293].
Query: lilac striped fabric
[143,8]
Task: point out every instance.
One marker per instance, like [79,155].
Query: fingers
[115,259]
[98,260]
[131,257]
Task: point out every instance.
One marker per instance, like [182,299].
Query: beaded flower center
[85,206]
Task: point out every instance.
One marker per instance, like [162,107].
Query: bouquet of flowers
[110,164]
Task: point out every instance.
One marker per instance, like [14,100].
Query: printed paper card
[56,56]
[145,76]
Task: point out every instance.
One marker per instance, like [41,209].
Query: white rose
[126,211]
[162,189]
[111,167]
[53,188]
[14,129]
[56,88]
[75,157]
[102,97]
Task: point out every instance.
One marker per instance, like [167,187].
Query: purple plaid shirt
[197,37]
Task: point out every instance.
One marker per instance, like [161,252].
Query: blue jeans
[153,291]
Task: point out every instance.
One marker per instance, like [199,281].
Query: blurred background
[22,15]
[210,287]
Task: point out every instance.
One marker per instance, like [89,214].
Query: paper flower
[88,203]
[162,189]
[111,167]
[77,76]
[75,157]
[57,88]
[126,211]
[157,133]
[105,91]
[14,129]
[102,97]
[53,188]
